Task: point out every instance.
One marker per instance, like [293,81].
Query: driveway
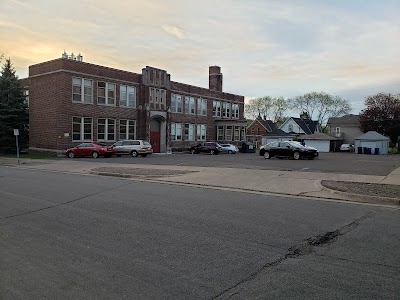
[343,163]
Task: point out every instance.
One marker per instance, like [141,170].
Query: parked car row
[213,148]
[126,147]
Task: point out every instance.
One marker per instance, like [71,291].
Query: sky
[348,48]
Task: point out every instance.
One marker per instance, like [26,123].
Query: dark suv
[209,147]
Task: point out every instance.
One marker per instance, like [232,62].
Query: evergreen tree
[13,110]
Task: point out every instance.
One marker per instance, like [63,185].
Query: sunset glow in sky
[283,48]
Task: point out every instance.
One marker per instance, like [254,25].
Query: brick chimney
[215,78]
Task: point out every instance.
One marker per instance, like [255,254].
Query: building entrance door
[155,141]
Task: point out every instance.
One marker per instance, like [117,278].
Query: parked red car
[90,149]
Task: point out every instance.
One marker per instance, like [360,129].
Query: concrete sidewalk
[305,184]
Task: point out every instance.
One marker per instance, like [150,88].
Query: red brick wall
[52,109]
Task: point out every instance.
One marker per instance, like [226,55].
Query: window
[176,132]
[176,103]
[236,133]
[106,129]
[26,94]
[201,132]
[228,110]
[224,109]
[162,99]
[127,96]
[235,111]
[216,108]
[258,130]
[220,133]
[188,132]
[202,106]
[189,105]
[127,129]
[82,129]
[290,127]
[79,85]
[228,133]
[105,93]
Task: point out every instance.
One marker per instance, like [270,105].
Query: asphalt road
[67,236]
[343,163]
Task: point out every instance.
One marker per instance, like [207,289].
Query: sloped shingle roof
[277,132]
[344,120]
[372,136]
[307,125]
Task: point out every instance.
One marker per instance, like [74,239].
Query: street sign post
[16,133]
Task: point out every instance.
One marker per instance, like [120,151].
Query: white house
[303,125]
[371,142]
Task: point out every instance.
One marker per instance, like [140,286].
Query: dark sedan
[287,149]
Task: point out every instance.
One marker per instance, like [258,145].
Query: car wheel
[95,154]
[230,152]
[267,155]
[192,151]
[262,151]
[143,155]
[212,152]
[71,154]
[134,153]
[296,155]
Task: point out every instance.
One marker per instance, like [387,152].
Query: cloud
[174,31]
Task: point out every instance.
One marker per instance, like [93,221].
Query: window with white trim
[105,93]
[188,132]
[220,133]
[79,85]
[290,127]
[127,96]
[82,129]
[176,103]
[105,129]
[127,129]
[235,111]
[201,132]
[228,133]
[216,108]
[176,131]
[236,134]
[228,110]
[26,95]
[189,105]
[202,107]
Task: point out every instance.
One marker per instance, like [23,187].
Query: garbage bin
[376,151]
[243,149]
[359,150]
[365,150]
[369,150]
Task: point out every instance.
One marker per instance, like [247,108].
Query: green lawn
[34,155]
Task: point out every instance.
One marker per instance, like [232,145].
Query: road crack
[305,247]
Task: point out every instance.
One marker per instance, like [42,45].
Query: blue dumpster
[376,151]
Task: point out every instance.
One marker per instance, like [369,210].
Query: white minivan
[133,148]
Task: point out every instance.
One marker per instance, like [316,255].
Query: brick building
[73,101]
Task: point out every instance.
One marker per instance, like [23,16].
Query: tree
[267,107]
[382,115]
[320,106]
[13,110]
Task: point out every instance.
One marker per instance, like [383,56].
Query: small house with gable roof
[302,125]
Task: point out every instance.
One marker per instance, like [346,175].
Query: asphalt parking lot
[344,163]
